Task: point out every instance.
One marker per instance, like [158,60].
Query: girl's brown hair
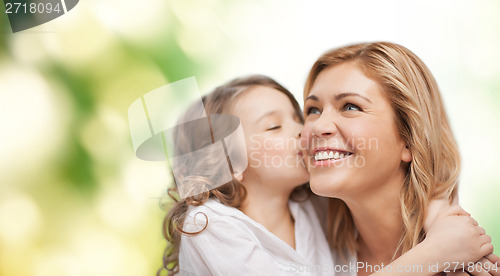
[423,125]
[219,101]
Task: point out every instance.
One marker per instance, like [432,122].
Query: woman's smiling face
[353,145]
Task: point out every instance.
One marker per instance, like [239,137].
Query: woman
[380,145]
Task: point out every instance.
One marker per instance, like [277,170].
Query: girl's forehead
[253,105]
[260,97]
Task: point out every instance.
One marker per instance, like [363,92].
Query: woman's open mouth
[328,156]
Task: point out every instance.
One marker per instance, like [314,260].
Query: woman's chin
[327,186]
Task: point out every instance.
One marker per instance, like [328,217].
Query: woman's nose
[324,126]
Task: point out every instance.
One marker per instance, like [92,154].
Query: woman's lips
[326,156]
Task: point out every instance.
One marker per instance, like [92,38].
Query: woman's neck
[271,211]
[378,220]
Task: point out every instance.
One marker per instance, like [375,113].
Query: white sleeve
[225,247]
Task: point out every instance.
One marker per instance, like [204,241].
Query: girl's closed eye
[274,127]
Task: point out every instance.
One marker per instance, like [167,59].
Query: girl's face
[272,127]
[353,145]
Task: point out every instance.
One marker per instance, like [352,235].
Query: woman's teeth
[325,155]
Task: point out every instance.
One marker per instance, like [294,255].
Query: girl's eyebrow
[339,97]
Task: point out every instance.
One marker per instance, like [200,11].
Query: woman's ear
[406,155]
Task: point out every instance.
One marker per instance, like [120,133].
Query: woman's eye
[274,127]
[313,110]
[352,107]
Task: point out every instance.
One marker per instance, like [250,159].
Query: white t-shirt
[234,244]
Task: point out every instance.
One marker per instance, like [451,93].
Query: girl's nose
[298,129]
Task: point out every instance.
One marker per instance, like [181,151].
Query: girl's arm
[489,263]
[453,240]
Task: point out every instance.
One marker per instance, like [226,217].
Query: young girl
[264,220]
[380,145]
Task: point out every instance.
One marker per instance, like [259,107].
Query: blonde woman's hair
[423,125]
[219,101]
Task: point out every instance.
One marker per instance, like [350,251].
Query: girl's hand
[454,236]
[436,206]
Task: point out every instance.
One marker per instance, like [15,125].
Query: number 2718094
[32,8]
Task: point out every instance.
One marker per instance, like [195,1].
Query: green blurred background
[74,199]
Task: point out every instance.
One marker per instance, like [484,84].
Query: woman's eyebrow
[313,98]
[350,94]
[339,97]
